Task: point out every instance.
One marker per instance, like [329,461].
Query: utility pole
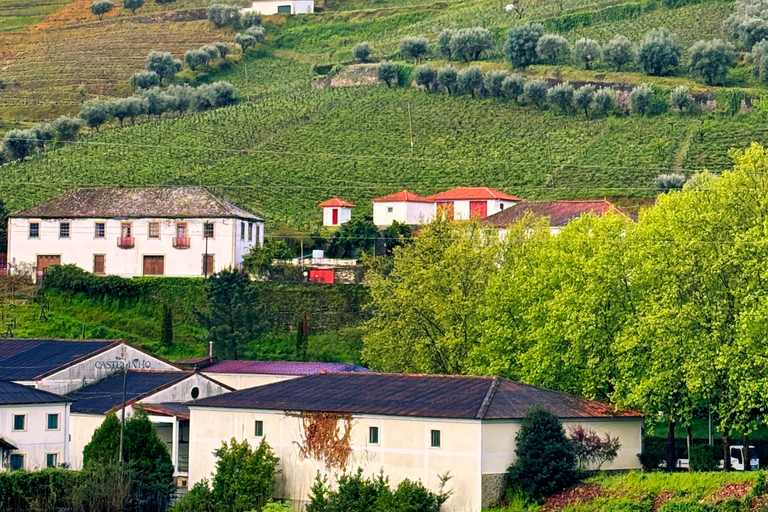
[122,423]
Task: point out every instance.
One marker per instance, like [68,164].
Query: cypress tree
[166,332]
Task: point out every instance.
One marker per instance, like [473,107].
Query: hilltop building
[157,231]
[404,207]
[336,212]
[465,203]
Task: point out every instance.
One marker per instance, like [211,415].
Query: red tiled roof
[428,396]
[403,196]
[281,367]
[471,193]
[560,213]
[336,201]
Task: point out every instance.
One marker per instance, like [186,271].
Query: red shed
[322,275]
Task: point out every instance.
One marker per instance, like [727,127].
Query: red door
[478,209]
[335,220]
[322,275]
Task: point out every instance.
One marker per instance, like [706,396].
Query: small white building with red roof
[464,203]
[336,211]
[404,207]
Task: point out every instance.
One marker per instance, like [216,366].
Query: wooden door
[99,263]
[154,265]
[478,209]
[45,261]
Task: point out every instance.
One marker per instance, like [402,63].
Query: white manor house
[180,231]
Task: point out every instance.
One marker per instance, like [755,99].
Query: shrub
[586,51]
[470,80]
[387,72]
[680,98]
[641,98]
[711,60]
[666,182]
[250,19]
[19,144]
[362,51]
[257,32]
[758,57]
[223,15]
[492,82]
[101,7]
[469,43]
[659,52]
[591,450]
[552,48]
[584,97]
[414,47]
[703,457]
[618,52]
[561,96]
[245,479]
[144,80]
[195,58]
[448,78]
[245,41]
[444,42]
[163,64]
[67,127]
[198,499]
[133,5]
[545,458]
[512,87]
[535,91]
[426,76]
[520,46]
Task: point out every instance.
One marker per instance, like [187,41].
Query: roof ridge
[488,398]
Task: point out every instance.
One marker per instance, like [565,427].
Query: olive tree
[641,98]
[535,91]
[258,33]
[95,112]
[680,98]
[444,42]
[426,76]
[553,48]
[250,19]
[711,60]
[67,127]
[659,52]
[448,78]
[19,144]
[414,47]
[387,73]
[362,51]
[668,182]
[124,108]
[618,52]
[512,87]
[223,15]
[223,47]
[758,57]
[605,100]
[749,24]
[492,82]
[470,81]
[144,80]
[184,97]
[195,58]
[163,64]
[520,46]
[133,5]
[468,44]
[584,97]
[43,133]
[561,96]
[245,41]
[586,51]
[101,7]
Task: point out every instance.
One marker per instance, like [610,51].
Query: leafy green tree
[362,51]
[587,52]
[468,44]
[470,81]
[748,25]
[260,259]
[618,52]
[425,75]
[520,46]
[448,78]
[195,58]
[414,48]
[605,100]
[258,32]
[553,48]
[163,64]
[535,91]
[67,127]
[659,52]
[124,108]
[584,97]
[444,42]
[105,443]
[396,235]
[250,19]
[224,48]
[155,102]
[245,479]
[43,133]
[680,98]
[133,5]
[198,499]
[101,7]
[166,330]
[19,144]
[185,97]
[561,96]
[211,51]
[545,462]
[144,80]
[711,60]
[512,87]
[245,41]
[641,98]
[232,319]
[426,310]
[354,238]
[318,497]
[492,83]
[95,113]
[223,15]
[387,72]
[758,57]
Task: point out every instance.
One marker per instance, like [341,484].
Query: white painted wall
[270,6]
[35,442]
[80,248]
[345,214]
[83,427]
[461,209]
[497,205]
[98,367]
[411,213]
[247,380]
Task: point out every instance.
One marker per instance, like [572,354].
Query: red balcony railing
[181,242]
[125,242]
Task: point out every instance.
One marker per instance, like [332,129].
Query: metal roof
[153,202]
[168,409]
[430,396]
[27,359]
[104,395]
[282,367]
[559,213]
[17,394]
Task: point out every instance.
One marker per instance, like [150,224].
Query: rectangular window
[34,230]
[435,439]
[64,230]
[100,230]
[250,231]
[19,422]
[283,9]
[242,231]
[52,460]
[17,461]
[373,435]
[208,230]
[390,209]
[259,428]
[99,264]
[125,230]
[154,230]
[53,422]
[208,264]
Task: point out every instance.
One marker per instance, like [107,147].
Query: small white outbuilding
[267,7]
[336,211]
[404,207]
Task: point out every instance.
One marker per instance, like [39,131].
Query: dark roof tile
[26,359]
[560,213]
[17,394]
[106,394]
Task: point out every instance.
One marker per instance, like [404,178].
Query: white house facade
[336,212]
[465,203]
[267,7]
[160,231]
[404,207]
